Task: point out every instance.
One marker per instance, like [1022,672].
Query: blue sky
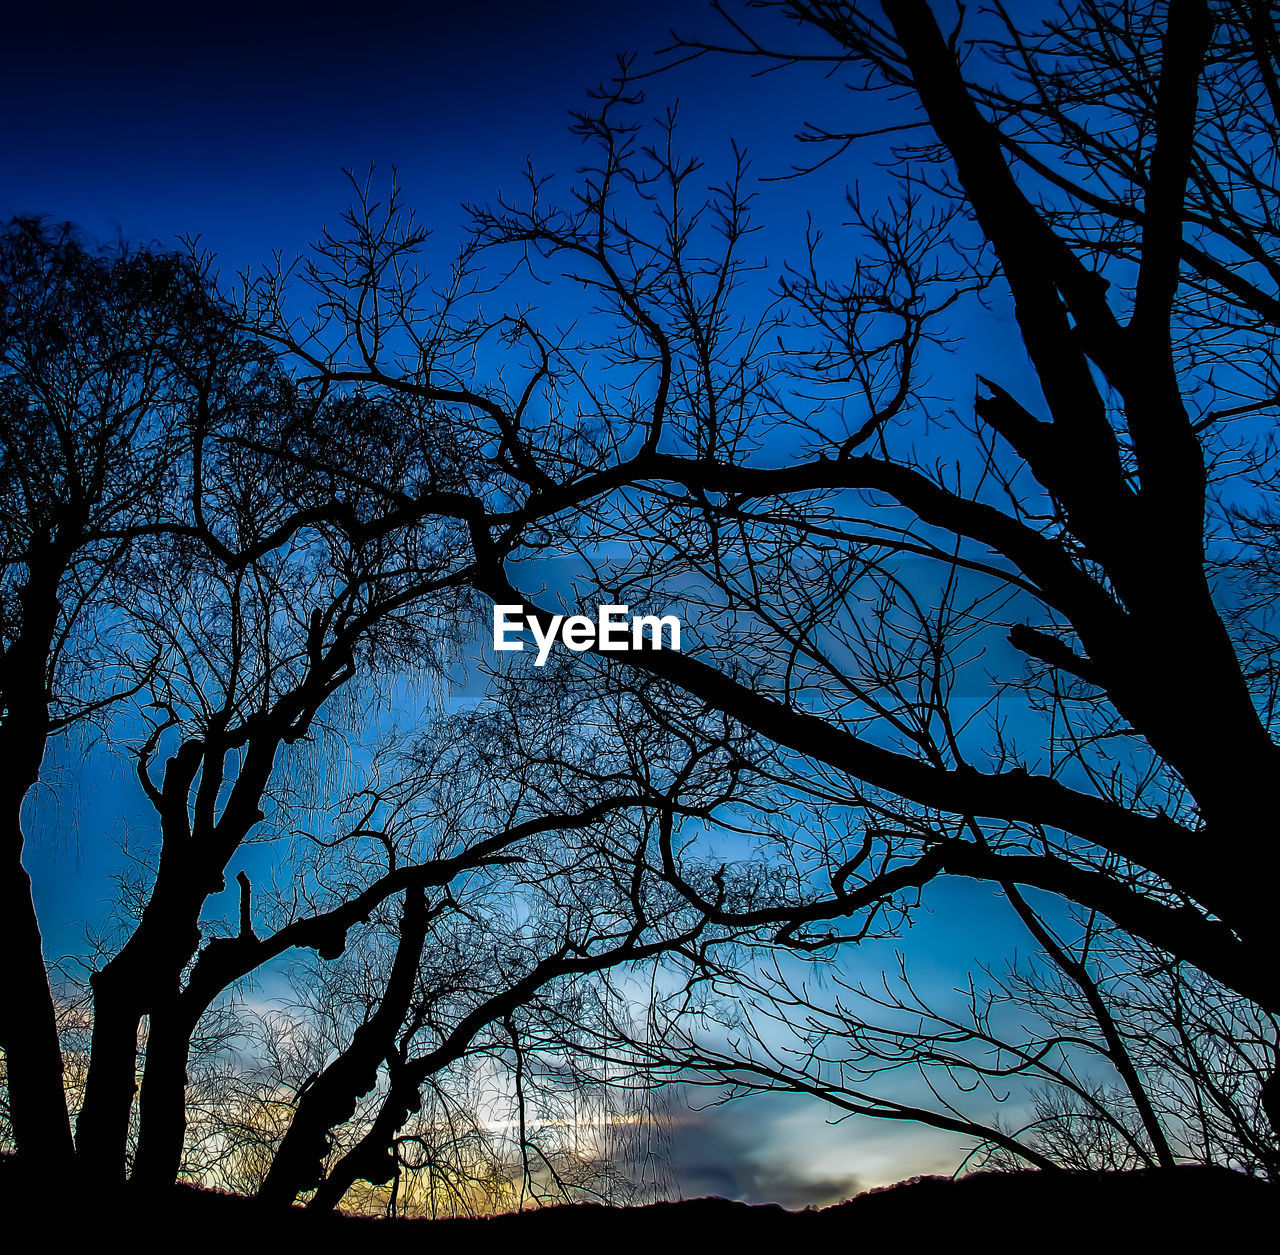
[233,123]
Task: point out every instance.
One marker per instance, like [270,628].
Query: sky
[233,123]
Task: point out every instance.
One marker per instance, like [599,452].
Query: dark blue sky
[232,122]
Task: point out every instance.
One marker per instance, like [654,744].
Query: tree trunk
[162,1099]
[102,1129]
[141,978]
[28,1024]
[332,1097]
[370,1159]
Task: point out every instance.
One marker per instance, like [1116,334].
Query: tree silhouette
[92,351]
[1097,519]
[228,587]
[1023,637]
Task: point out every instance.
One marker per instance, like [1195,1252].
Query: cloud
[740,1152]
[788,1149]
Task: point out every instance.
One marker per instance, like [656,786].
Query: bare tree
[851,554]
[292,544]
[175,531]
[92,349]
[779,494]
[577,899]
[249,654]
[1105,1054]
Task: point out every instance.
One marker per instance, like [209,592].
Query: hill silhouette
[1015,1210]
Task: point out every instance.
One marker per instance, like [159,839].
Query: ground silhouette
[1006,1210]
